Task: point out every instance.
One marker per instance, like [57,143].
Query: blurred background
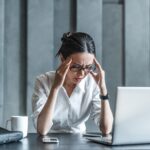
[30,33]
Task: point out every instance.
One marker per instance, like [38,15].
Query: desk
[66,142]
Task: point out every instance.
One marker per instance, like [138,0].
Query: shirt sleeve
[39,99]
[96,106]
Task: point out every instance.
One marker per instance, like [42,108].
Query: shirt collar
[80,86]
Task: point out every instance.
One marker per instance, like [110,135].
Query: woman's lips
[78,79]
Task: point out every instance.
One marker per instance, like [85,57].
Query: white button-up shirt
[70,113]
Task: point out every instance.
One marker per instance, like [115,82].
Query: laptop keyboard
[105,139]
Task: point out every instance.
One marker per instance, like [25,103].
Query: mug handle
[7,121]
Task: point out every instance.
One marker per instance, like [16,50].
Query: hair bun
[66,36]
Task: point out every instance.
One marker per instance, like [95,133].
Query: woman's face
[80,66]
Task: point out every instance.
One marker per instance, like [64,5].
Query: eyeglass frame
[83,68]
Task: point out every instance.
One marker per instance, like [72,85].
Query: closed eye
[76,66]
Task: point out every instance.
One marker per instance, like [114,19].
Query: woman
[64,100]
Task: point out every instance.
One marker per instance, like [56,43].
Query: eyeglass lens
[77,67]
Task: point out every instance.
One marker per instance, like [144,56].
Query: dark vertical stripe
[73,16]
[23,55]
[123,46]
[4,64]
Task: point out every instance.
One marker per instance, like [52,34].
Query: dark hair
[76,42]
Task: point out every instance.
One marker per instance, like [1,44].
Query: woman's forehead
[82,58]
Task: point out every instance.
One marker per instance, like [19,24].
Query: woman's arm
[106,117]
[44,121]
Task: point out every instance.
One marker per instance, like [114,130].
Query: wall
[1,58]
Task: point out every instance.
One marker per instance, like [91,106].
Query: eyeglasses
[87,69]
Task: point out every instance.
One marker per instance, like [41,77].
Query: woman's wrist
[103,93]
[55,88]
[104,97]
[103,90]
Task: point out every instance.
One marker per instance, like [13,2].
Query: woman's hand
[99,77]
[61,72]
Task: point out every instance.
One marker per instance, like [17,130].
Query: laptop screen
[132,119]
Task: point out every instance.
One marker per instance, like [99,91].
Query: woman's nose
[81,72]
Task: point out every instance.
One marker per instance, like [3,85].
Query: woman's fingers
[61,73]
[66,62]
[98,66]
[100,72]
[94,74]
[64,65]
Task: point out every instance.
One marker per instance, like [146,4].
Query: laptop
[131,118]
[7,136]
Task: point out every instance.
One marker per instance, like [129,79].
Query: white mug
[19,123]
